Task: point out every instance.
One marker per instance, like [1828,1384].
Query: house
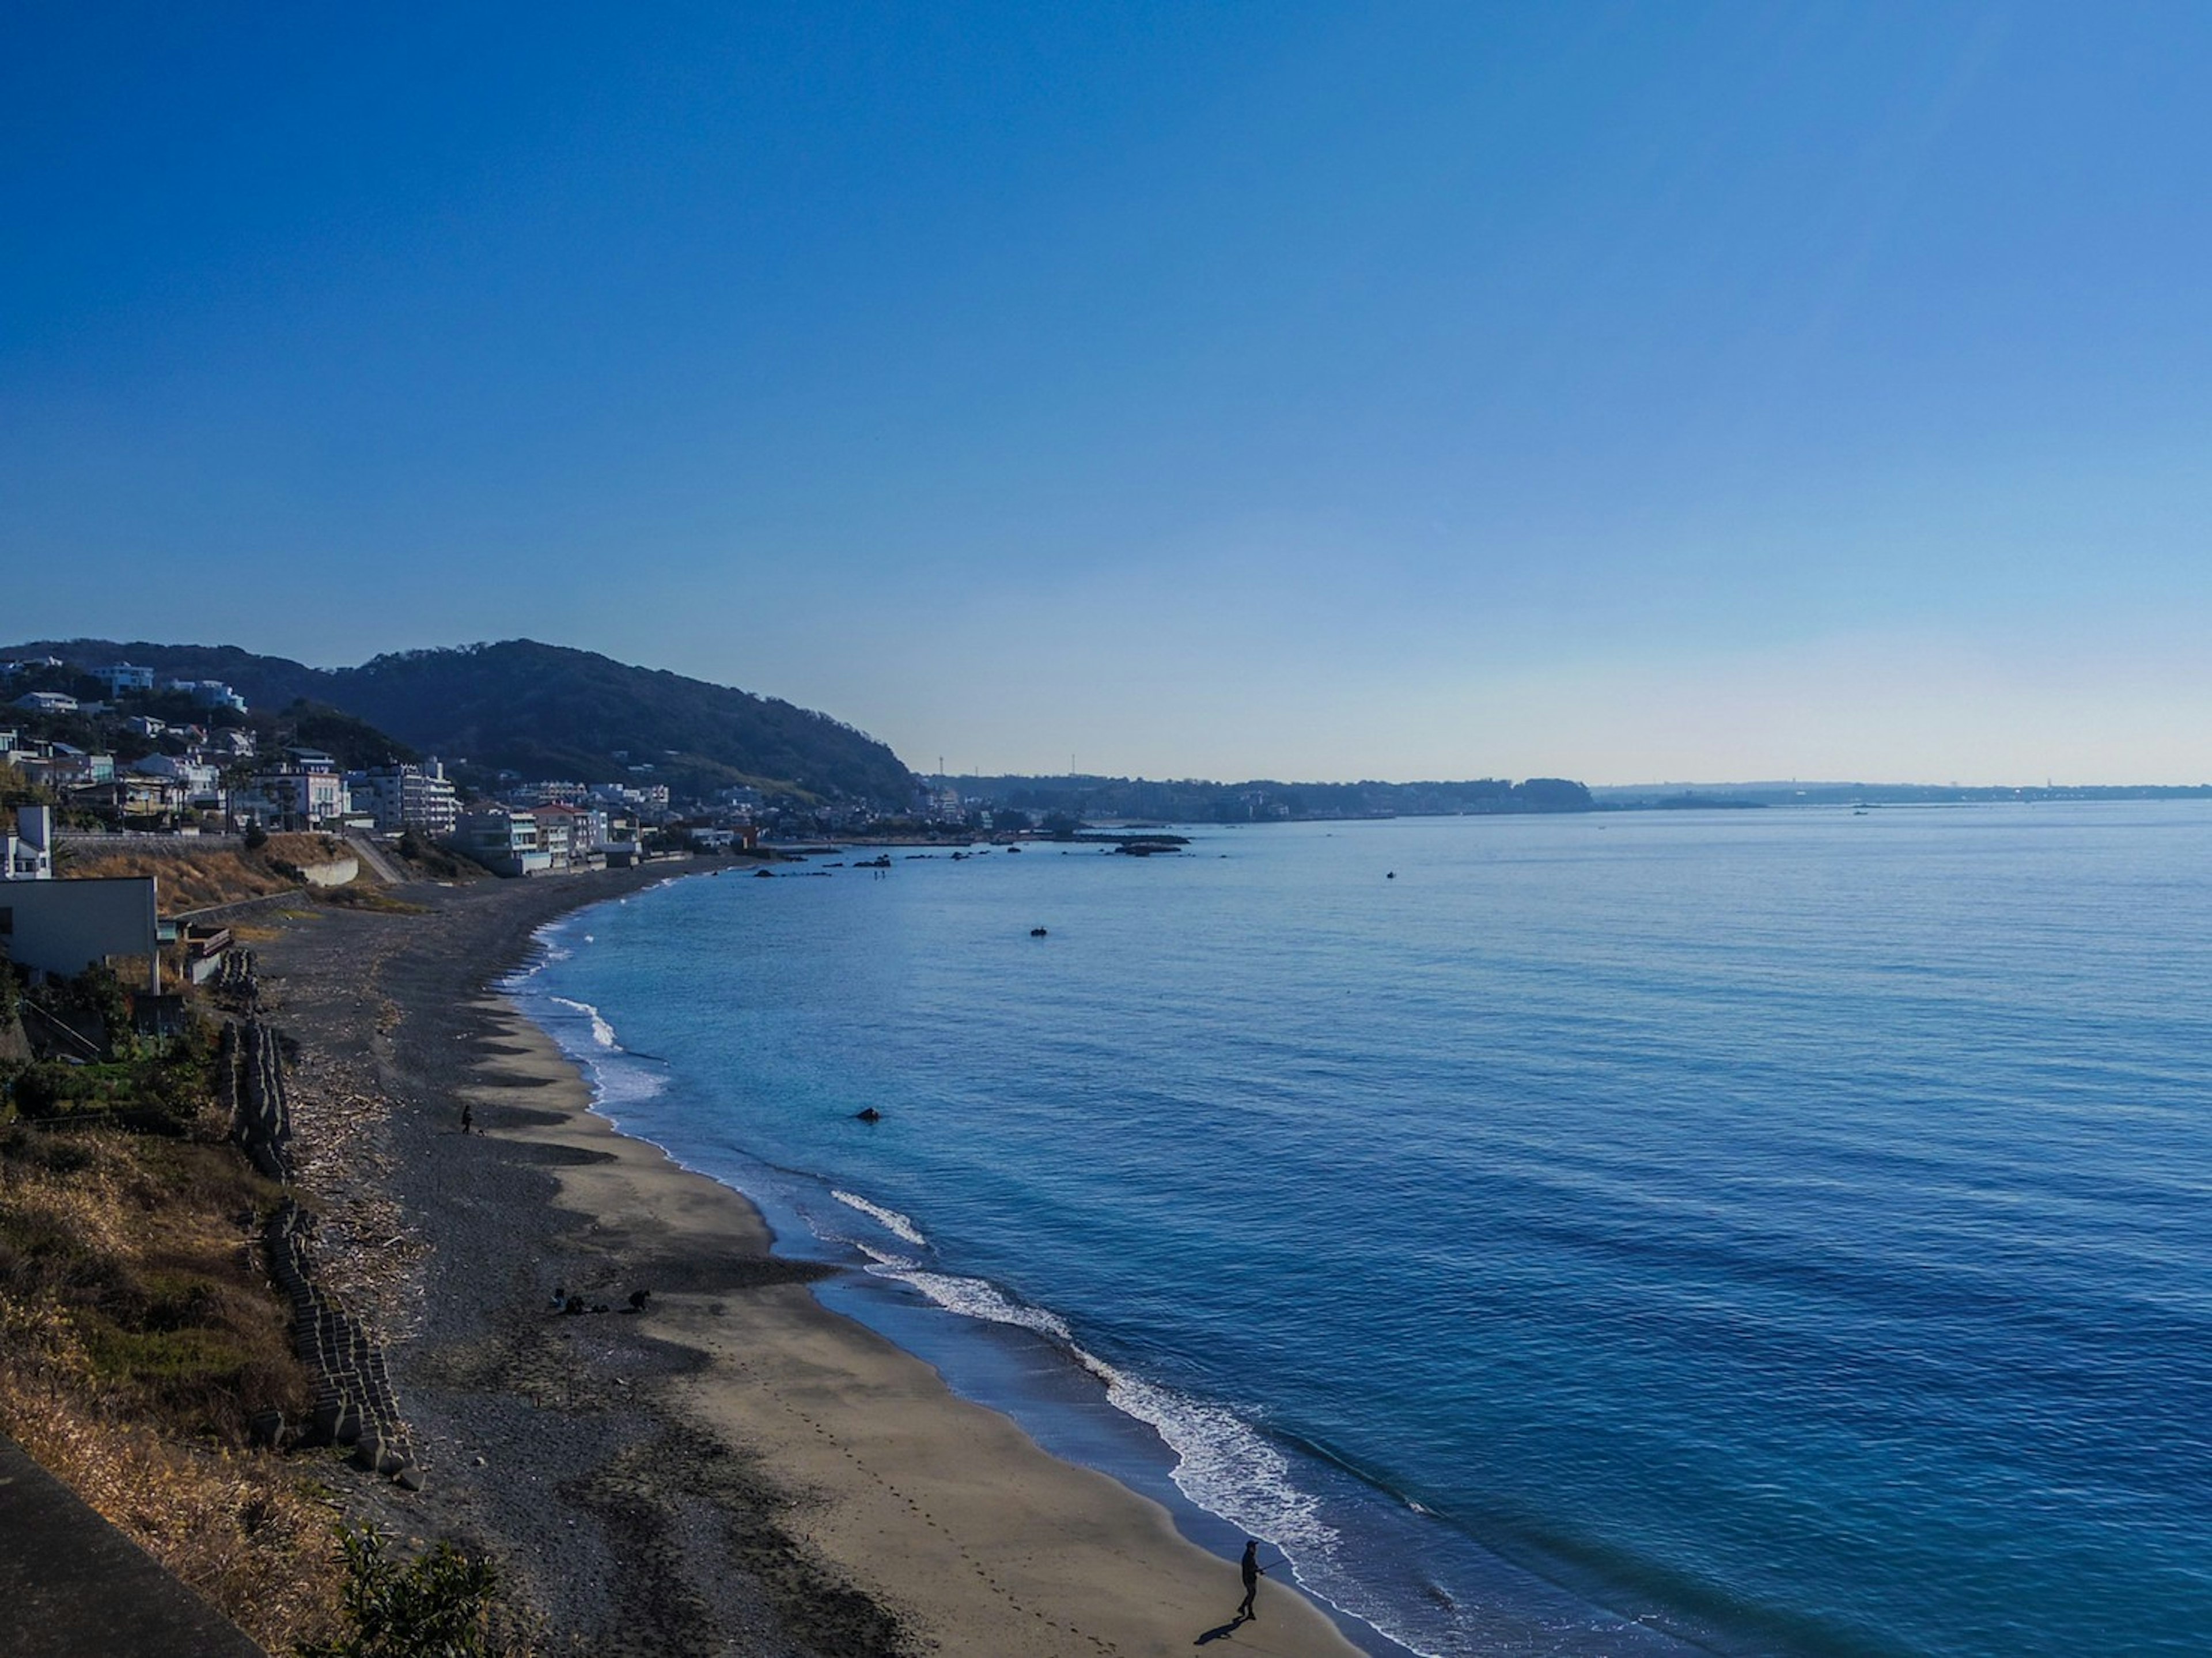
[555,834]
[304,799]
[28,853]
[201,782]
[46,702]
[208,694]
[66,766]
[145,726]
[121,677]
[503,840]
[130,796]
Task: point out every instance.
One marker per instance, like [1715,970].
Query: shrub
[437,1607]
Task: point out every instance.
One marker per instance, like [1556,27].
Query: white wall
[63,926]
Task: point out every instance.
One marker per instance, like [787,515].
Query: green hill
[547,711]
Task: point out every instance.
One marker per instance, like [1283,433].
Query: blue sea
[1761,1232]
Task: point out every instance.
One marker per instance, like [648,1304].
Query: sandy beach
[735,1470]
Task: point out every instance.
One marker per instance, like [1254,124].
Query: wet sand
[736,1470]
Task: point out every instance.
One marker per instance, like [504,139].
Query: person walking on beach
[1250,1567]
[468,1117]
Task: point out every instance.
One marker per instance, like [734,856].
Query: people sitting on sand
[638,1298]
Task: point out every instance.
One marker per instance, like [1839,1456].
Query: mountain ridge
[549,711]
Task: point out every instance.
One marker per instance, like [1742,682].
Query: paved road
[72,1586]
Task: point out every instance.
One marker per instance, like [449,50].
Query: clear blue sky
[1620,390]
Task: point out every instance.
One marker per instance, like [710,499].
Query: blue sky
[1624,392]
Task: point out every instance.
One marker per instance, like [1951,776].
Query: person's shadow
[1221,1633]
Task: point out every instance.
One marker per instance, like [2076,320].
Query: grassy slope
[196,879]
[137,1334]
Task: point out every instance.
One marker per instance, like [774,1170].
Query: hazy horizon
[1697,390]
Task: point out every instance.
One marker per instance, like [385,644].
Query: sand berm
[736,1470]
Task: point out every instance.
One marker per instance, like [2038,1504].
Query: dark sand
[738,1470]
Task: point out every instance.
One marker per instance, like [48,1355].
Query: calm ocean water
[1777,1232]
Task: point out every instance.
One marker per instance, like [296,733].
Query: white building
[307,791]
[504,842]
[28,853]
[208,693]
[399,797]
[201,782]
[46,702]
[121,677]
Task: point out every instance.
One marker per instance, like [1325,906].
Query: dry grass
[303,849]
[136,1336]
[359,894]
[200,879]
[190,880]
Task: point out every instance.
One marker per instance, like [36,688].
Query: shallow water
[1785,1232]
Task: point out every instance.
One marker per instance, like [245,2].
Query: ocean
[1760,1232]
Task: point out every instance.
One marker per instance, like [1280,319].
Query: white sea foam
[884,1257]
[890,1219]
[602,1032]
[972,1297]
[1223,1464]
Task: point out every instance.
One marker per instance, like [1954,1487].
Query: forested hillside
[547,711]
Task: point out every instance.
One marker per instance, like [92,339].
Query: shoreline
[740,1468]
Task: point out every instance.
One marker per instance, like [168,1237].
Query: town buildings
[503,839]
[399,797]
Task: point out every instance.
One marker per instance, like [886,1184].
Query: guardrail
[176,845]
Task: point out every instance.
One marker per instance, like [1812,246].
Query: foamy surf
[890,1219]
[602,1032]
[1223,1464]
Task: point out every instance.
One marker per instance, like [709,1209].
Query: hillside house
[201,781]
[121,676]
[63,765]
[208,694]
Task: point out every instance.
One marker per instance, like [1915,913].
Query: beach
[733,1469]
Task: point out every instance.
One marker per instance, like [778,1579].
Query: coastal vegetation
[138,1335]
[195,877]
[140,1339]
[439,1605]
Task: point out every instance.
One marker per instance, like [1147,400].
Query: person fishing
[1251,1568]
